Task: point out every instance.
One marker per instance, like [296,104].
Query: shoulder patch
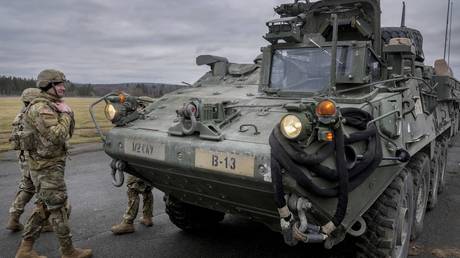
[46,110]
[43,116]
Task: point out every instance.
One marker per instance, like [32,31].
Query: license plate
[142,148]
[236,164]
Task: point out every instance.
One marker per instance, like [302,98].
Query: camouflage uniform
[47,163]
[26,186]
[137,186]
[26,190]
[48,124]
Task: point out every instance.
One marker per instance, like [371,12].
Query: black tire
[189,217]
[435,167]
[420,169]
[389,221]
[443,166]
[414,35]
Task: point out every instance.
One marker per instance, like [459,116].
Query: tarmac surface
[97,205]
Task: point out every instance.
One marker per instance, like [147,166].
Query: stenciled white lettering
[144,148]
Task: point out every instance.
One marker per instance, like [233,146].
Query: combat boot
[123,228]
[77,253]
[146,221]
[47,227]
[25,250]
[13,223]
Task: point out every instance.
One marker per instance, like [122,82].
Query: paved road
[97,205]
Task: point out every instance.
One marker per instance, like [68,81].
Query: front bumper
[177,166]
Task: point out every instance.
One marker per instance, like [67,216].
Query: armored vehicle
[337,128]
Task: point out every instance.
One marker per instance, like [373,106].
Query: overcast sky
[111,41]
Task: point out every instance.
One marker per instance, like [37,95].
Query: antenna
[450,31]
[403,18]
[447,30]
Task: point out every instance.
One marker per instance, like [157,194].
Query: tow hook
[295,230]
[191,112]
[118,168]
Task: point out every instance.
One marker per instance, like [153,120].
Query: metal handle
[93,117]
[245,128]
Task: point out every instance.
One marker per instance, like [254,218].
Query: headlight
[110,111]
[291,126]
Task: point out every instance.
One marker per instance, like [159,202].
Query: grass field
[85,130]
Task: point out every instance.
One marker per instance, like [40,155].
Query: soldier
[136,186]
[26,188]
[52,123]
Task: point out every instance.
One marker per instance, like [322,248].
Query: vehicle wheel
[434,178]
[189,217]
[389,221]
[443,167]
[420,169]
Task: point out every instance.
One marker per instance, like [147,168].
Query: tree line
[13,86]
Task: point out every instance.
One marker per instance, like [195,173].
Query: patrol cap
[46,77]
[30,94]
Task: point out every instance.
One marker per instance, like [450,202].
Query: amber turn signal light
[326,136]
[329,136]
[122,98]
[326,108]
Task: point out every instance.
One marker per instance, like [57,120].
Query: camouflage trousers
[26,190]
[51,204]
[136,187]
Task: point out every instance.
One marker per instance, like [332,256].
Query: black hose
[298,155]
[280,159]
[277,181]
[342,172]
[312,161]
[300,165]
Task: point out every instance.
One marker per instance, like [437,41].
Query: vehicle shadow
[251,239]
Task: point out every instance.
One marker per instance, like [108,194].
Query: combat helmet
[48,77]
[30,94]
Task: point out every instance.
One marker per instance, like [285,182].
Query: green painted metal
[413,107]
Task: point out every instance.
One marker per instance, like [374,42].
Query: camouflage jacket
[18,118]
[16,128]
[16,125]
[52,129]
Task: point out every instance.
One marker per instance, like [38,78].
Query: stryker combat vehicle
[337,128]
